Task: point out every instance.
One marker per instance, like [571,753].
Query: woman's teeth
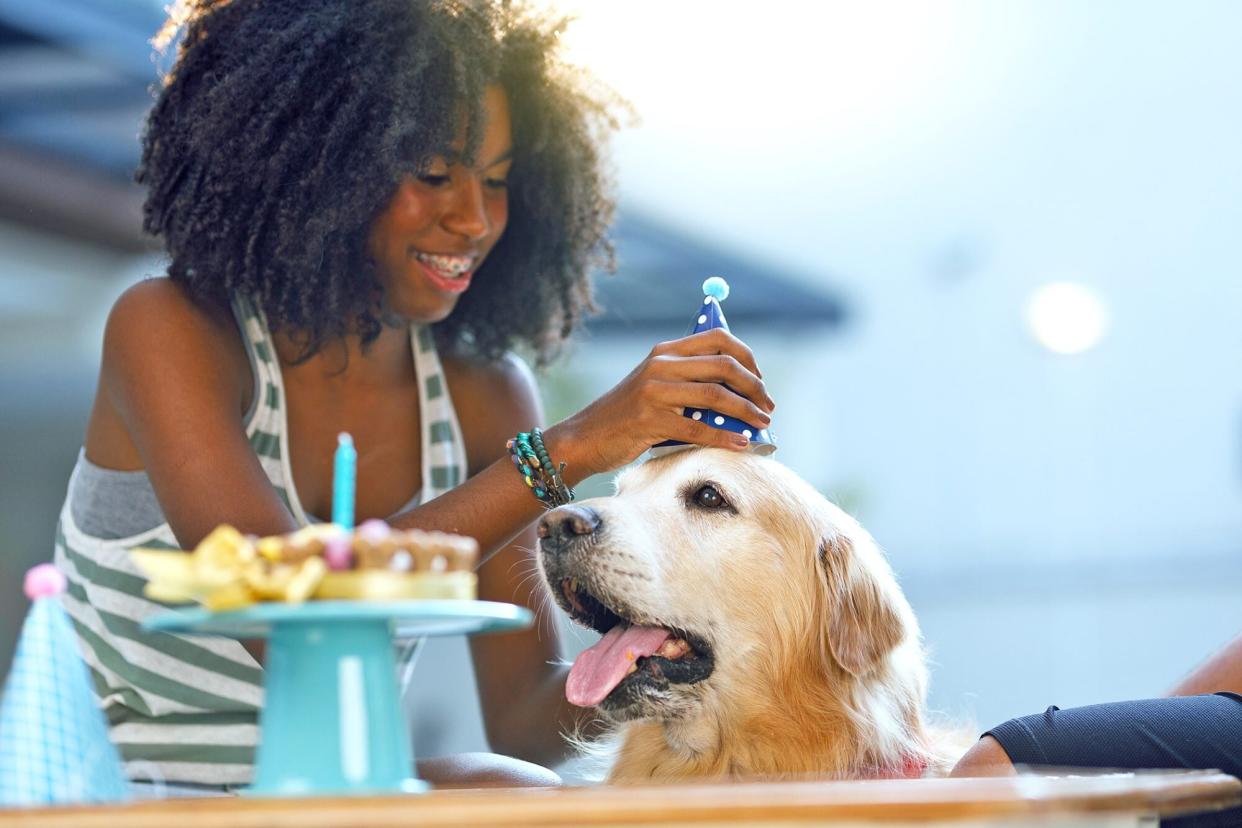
[450,267]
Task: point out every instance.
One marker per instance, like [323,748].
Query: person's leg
[484,770]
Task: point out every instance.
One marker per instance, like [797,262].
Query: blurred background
[987,254]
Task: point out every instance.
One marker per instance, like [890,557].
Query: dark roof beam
[58,197]
[48,79]
[69,100]
[116,33]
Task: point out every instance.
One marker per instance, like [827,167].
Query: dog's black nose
[565,523]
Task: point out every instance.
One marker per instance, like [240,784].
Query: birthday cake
[229,570]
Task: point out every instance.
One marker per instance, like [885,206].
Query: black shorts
[1186,732]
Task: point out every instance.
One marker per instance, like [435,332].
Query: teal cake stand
[332,721]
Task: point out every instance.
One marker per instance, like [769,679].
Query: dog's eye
[709,498]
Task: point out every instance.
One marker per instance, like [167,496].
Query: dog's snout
[566,523]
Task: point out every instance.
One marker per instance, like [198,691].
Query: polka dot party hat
[709,316]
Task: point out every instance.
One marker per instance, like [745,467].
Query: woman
[366,206]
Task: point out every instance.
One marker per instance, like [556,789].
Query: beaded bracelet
[543,478]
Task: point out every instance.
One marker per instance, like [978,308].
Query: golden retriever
[751,629]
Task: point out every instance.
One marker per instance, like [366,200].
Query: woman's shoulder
[158,306]
[494,400]
[167,363]
[510,376]
[156,327]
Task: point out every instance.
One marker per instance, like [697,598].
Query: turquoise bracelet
[542,476]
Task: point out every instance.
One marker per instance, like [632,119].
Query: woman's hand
[646,407]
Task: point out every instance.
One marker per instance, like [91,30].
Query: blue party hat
[54,745]
[709,316]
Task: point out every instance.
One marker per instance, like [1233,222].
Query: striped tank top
[184,708]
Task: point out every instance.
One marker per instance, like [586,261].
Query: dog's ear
[864,617]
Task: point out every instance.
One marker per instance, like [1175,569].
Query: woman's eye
[434,179]
[496,183]
[709,498]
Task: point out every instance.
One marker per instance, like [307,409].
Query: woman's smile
[448,273]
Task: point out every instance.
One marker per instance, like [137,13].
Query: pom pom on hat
[44,581]
[710,315]
[716,287]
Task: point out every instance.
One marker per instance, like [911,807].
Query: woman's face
[429,240]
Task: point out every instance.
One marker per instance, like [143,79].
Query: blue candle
[344,472]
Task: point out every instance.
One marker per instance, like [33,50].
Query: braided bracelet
[532,461]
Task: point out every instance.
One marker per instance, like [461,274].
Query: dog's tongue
[600,668]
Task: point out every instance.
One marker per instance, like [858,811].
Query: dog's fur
[818,665]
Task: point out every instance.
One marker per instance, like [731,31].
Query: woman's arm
[642,410]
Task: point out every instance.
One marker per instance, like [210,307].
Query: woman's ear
[864,618]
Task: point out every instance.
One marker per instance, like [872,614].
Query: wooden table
[1112,800]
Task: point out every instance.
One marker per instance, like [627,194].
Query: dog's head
[711,574]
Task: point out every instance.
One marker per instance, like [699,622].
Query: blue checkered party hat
[709,316]
[54,745]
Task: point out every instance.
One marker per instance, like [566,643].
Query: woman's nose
[466,215]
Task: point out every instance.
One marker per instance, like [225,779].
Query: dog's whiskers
[529,584]
[625,573]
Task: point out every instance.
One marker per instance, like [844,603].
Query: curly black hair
[285,126]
